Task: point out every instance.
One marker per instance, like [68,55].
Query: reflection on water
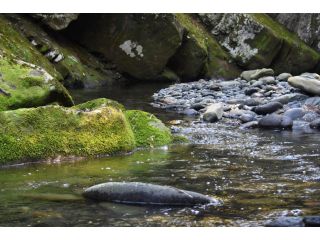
[258,175]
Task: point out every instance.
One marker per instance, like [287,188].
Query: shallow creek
[259,175]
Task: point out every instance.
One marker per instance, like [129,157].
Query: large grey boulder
[306,84]
[139,44]
[145,193]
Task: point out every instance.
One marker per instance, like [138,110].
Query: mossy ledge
[98,127]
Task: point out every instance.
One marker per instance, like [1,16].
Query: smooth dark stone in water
[145,193]
[267,108]
[294,113]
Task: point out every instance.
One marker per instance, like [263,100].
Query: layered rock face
[256,41]
[305,25]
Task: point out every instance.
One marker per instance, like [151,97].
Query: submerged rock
[145,193]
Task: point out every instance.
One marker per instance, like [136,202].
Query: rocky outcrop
[256,41]
[78,67]
[96,127]
[305,25]
[56,21]
[146,193]
[139,44]
[200,55]
[27,78]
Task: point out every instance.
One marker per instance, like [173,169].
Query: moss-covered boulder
[256,41]
[200,55]
[78,67]
[97,127]
[26,85]
[148,130]
[139,44]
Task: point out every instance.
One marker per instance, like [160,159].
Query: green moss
[50,131]
[147,129]
[204,52]
[24,86]
[294,55]
[14,45]
[97,103]
[180,139]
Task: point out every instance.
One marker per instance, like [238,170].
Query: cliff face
[90,50]
[305,25]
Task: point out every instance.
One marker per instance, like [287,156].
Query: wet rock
[145,193]
[190,112]
[283,77]
[315,124]
[213,113]
[246,117]
[313,101]
[250,91]
[267,80]
[56,21]
[252,102]
[294,113]
[275,121]
[312,221]
[267,108]
[310,75]
[310,116]
[198,106]
[270,121]
[306,84]
[256,74]
[287,222]
[290,97]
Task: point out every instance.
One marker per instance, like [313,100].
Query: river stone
[213,113]
[286,222]
[246,117]
[250,91]
[301,126]
[294,113]
[310,75]
[145,193]
[283,77]
[315,124]
[268,80]
[275,121]
[308,85]
[290,97]
[256,74]
[267,108]
[313,101]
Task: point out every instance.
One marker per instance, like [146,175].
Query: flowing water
[259,175]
